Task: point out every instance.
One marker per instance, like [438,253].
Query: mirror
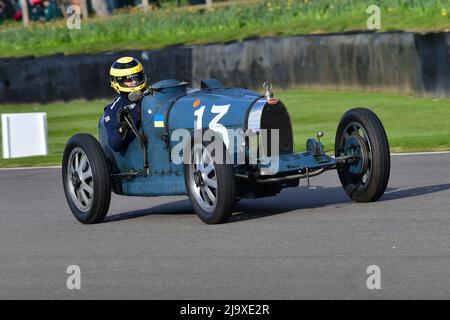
[135,96]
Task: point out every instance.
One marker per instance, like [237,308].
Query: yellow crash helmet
[127,75]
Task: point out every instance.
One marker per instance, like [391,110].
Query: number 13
[214,124]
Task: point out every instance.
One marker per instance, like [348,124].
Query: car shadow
[413,192]
[288,200]
[170,208]
[321,197]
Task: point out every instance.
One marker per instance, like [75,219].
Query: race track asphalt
[301,244]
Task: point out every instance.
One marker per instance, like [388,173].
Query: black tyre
[361,133]
[210,185]
[86,179]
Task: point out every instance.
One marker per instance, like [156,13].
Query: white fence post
[24,134]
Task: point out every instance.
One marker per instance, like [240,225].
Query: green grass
[189,25]
[63,121]
[412,124]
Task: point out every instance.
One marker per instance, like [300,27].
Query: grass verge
[412,124]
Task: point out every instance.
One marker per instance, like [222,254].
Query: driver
[126,75]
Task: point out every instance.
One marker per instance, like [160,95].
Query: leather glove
[121,114]
[123,129]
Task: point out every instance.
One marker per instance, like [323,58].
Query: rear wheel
[86,179]
[360,133]
[210,185]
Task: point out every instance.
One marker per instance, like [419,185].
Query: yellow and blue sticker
[158,121]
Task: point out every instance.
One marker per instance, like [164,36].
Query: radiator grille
[277,117]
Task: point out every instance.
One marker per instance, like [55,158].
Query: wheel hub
[198,179]
[355,146]
[76,181]
[203,179]
[80,181]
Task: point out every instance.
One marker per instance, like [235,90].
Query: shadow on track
[170,208]
[321,197]
[413,192]
[288,200]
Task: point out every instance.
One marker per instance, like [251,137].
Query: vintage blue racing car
[172,114]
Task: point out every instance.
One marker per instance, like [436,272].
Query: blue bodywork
[172,106]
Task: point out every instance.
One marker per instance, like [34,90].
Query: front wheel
[361,134]
[86,179]
[210,185]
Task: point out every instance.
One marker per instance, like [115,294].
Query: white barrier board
[24,134]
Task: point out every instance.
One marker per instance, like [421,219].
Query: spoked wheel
[210,186]
[86,179]
[81,184]
[361,134]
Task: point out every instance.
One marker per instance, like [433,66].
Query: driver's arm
[116,128]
